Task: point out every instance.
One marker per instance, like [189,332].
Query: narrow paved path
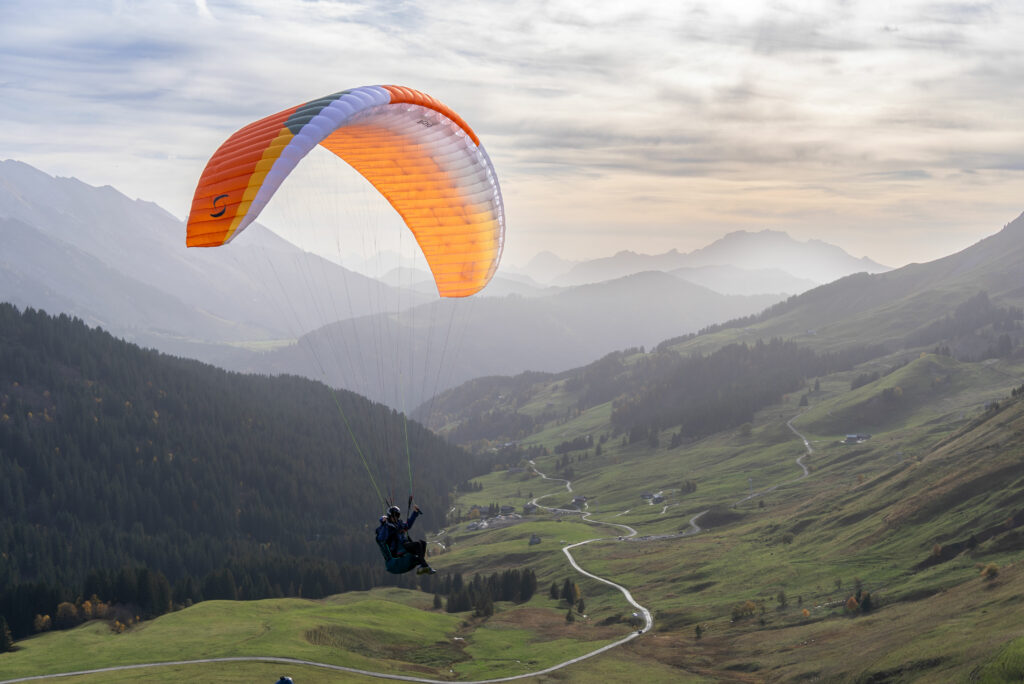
[799,461]
[648,620]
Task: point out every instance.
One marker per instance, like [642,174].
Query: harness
[385,549]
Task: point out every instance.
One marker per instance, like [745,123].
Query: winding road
[585,516]
[648,620]
[799,461]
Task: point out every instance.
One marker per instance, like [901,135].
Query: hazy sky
[892,129]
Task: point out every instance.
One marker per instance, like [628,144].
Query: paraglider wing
[419,154]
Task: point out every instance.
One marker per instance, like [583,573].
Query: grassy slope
[364,623]
[871,512]
[938,469]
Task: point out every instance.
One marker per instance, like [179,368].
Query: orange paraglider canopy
[419,154]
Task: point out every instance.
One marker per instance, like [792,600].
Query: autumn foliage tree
[42,623]
[744,609]
[67,616]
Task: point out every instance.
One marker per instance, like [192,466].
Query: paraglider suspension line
[355,442]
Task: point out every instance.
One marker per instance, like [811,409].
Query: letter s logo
[223,209]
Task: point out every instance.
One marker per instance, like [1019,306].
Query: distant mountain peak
[543,267]
[758,235]
[813,262]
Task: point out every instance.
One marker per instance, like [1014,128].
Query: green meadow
[909,517]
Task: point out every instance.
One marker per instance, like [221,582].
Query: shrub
[742,610]
[67,616]
[42,623]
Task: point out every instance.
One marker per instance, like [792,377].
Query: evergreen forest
[129,477]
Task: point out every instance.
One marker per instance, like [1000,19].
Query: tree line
[973,313]
[702,394]
[480,593]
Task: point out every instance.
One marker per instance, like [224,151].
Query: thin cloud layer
[892,131]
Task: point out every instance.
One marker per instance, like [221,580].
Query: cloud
[735,109]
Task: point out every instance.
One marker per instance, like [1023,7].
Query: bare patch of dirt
[551,624]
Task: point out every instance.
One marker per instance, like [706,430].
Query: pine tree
[484,606]
[6,642]
[568,592]
[527,585]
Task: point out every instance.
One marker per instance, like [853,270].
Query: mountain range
[263,305]
[770,260]
[964,302]
[891,308]
[446,343]
[122,264]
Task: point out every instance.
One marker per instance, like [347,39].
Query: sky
[894,130]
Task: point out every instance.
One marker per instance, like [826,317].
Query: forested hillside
[118,462]
[696,394]
[966,305]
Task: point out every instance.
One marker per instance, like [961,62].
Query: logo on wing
[222,209]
